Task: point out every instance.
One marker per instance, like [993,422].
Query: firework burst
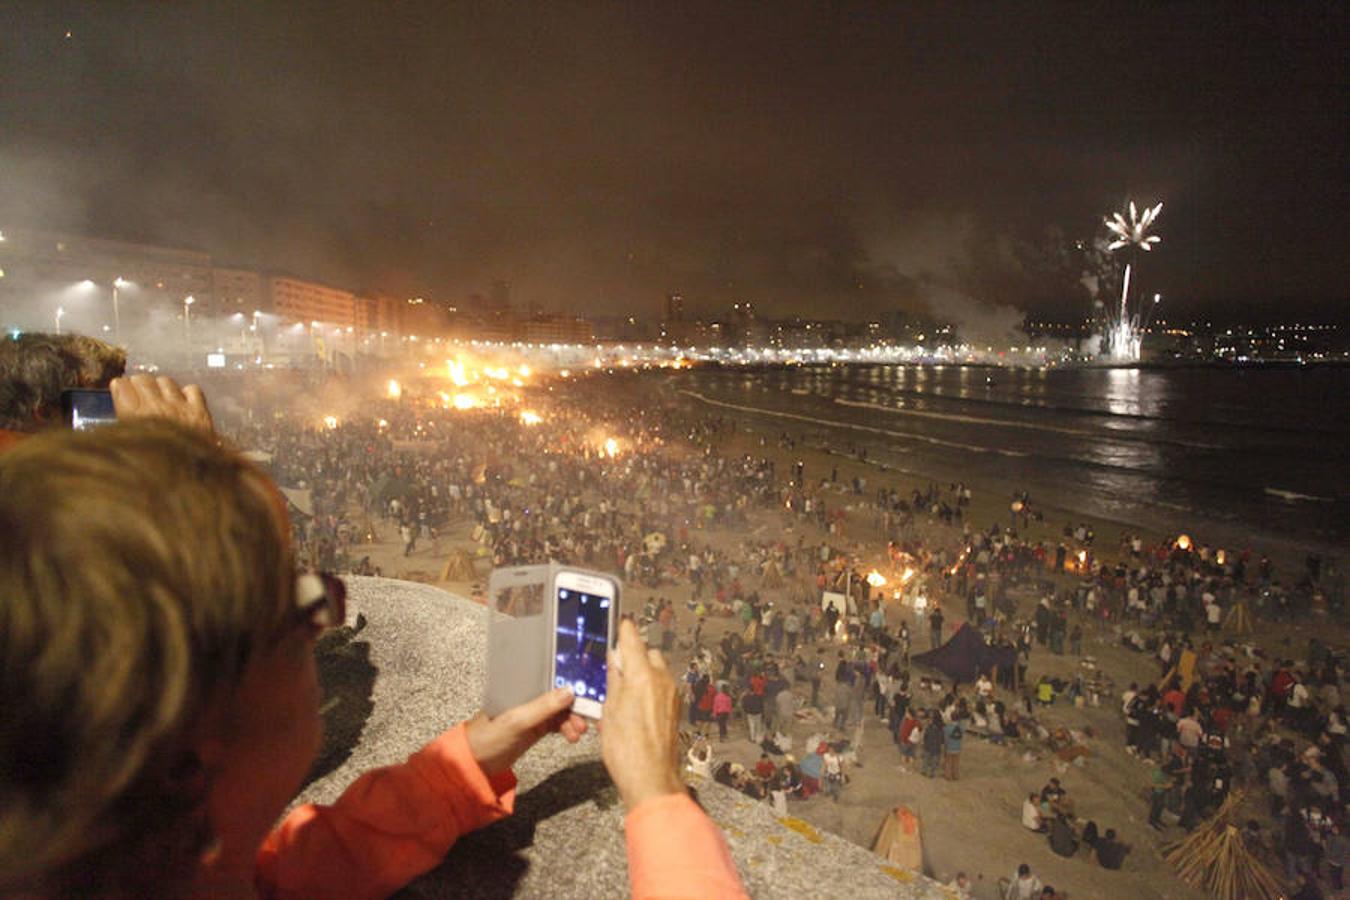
[1124,337]
[1134,231]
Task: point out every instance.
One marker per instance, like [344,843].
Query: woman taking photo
[159,700]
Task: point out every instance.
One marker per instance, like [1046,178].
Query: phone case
[522,614]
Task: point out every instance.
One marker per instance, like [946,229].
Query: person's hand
[498,742]
[640,729]
[145,396]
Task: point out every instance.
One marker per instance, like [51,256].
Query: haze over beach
[957,394]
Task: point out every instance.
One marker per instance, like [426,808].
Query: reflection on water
[1120,443]
[1122,394]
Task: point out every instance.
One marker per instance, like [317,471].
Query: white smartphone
[584,628]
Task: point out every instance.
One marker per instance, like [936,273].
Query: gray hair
[35,368]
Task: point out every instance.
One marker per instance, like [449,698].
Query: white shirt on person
[1028,888]
[1188,732]
[1298,697]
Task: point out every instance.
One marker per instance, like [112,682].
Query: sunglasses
[320,600]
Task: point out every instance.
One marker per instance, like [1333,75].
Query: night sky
[835,161]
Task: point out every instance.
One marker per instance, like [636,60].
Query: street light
[187,320]
[60,311]
[118,282]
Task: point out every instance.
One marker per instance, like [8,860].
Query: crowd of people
[781,660]
[787,661]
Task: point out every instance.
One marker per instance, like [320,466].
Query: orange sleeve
[675,850]
[390,826]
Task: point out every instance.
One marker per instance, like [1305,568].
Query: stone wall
[415,667]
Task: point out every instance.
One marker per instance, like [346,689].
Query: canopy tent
[966,656]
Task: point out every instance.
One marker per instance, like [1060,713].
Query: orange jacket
[10,439]
[396,823]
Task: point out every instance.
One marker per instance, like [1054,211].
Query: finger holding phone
[497,742]
[639,739]
[145,396]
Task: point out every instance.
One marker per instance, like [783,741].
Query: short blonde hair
[141,569]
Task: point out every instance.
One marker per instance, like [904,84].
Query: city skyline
[837,164]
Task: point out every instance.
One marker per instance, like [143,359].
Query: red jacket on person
[394,824]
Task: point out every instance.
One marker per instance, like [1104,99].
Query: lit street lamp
[243,331]
[60,311]
[118,282]
[187,320]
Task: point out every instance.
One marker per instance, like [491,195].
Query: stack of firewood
[1215,858]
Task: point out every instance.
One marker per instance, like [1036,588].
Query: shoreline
[1287,553]
[1156,364]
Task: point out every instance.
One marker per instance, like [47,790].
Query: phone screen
[582,641]
[86,409]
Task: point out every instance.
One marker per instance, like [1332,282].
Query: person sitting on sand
[1031,813]
[1052,792]
[1110,851]
[1062,839]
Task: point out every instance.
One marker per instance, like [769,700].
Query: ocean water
[1241,455]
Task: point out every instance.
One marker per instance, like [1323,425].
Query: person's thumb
[542,708]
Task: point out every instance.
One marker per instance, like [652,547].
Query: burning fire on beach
[465,381]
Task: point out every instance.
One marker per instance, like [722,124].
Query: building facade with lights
[557,330]
[79,273]
[53,258]
[296,301]
[237,291]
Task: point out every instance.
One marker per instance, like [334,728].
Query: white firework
[1133,232]
[1124,336]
